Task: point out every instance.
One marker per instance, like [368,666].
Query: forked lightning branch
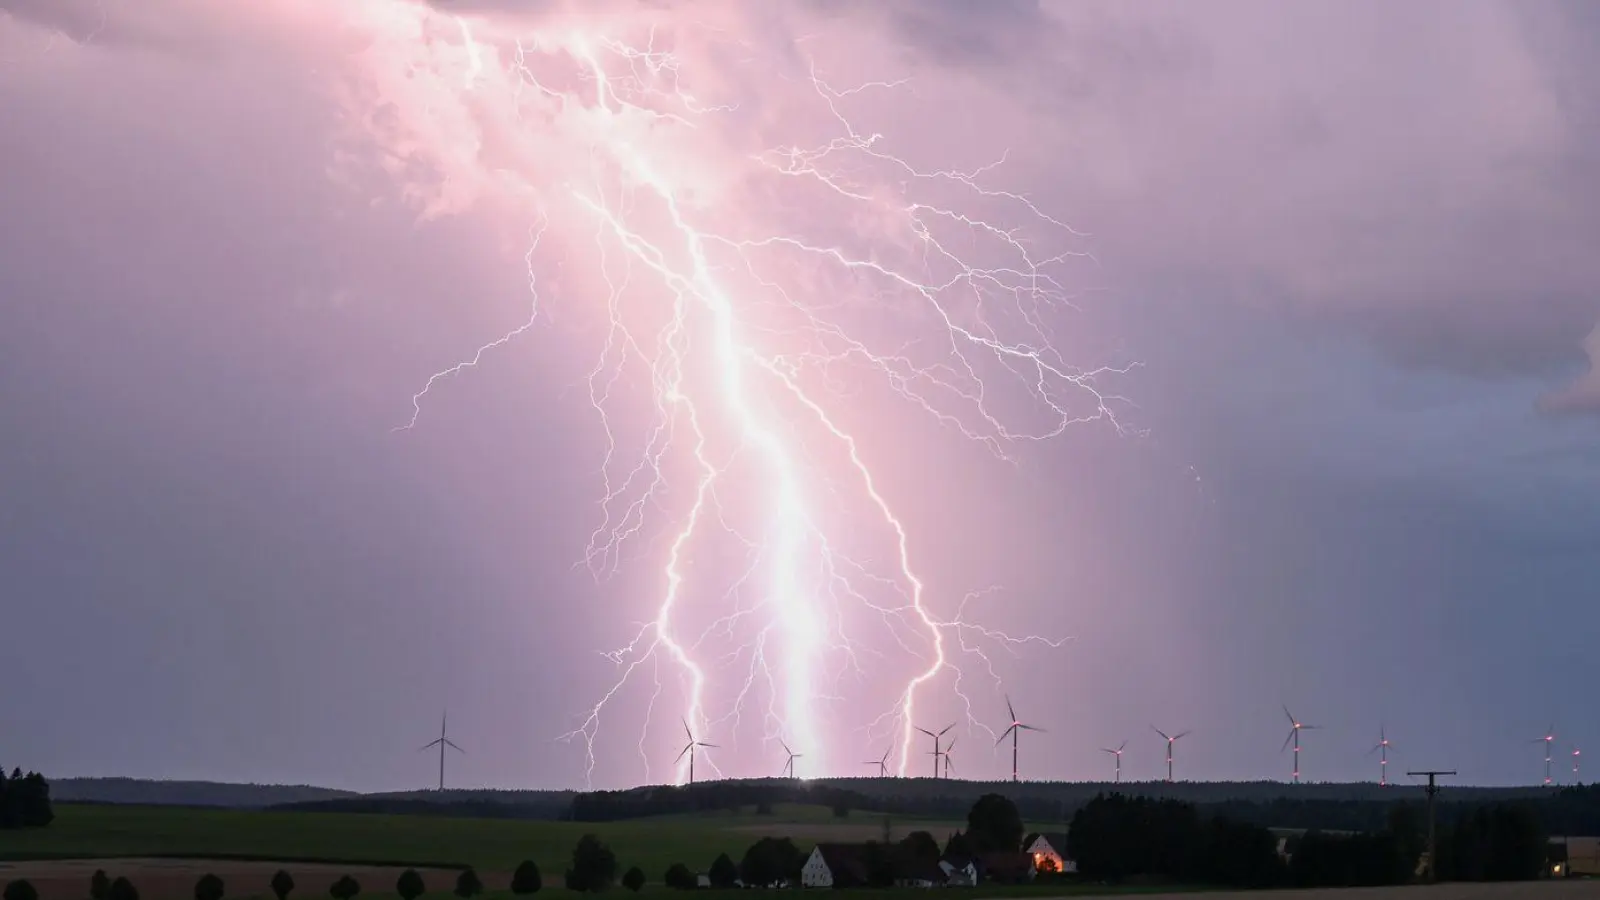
[752,325]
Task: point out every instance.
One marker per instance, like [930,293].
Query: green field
[490,845]
[493,846]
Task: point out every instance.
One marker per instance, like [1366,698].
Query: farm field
[492,846]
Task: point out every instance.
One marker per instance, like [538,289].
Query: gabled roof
[1056,839]
[1005,865]
[846,860]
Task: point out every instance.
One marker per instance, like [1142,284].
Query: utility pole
[1433,849]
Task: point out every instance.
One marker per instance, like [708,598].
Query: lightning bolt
[745,338]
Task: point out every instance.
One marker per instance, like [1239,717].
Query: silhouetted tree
[346,888]
[993,824]
[960,846]
[21,890]
[594,866]
[526,880]
[209,887]
[920,845]
[679,878]
[410,885]
[841,808]
[282,885]
[24,800]
[123,889]
[100,886]
[769,861]
[633,879]
[723,873]
[468,884]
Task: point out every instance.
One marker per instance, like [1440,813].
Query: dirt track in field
[161,879]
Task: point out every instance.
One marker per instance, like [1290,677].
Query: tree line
[24,800]
[1117,837]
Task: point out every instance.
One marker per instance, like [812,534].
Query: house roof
[845,859]
[1006,864]
[1056,839]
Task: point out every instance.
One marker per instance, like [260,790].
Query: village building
[1049,852]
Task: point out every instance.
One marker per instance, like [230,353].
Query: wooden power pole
[1433,848]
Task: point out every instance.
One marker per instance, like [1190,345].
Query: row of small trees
[24,800]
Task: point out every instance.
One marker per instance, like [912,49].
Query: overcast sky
[1343,267]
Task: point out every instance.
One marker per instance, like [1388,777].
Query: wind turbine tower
[1118,754]
[947,763]
[443,743]
[1015,730]
[1295,727]
[688,749]
[1548,739]
[788,767]
[1382,749]
[936,737]
[1576,753]
[1170,739]
[882,764]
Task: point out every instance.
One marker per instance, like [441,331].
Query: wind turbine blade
[429,746]
[687,731]
[1289,714]
[452,745]
[682,752]
[1004,734]
[1286,741]
[1375,748]
[704,744]
[1108,750]
[785,747]
[950,746]
[1311,727]
[927,732]
[1122,746]
[1009,709]
[886,753]
[1183,734]
[947,728]
[1030,728]
[1160,732]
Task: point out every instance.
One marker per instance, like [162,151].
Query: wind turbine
[1295,727]
[1382,749]
[789,766]
[1014,730]
[1547,740]
[443,743]
[1118,754]
[947,764]
[882,764]
[1575,754]
[936,737]
[1173,739]
[689,749]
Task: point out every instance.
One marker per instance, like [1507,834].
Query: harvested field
[68,879]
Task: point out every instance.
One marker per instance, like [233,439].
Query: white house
[959,873]
[1049,852]
[831,864]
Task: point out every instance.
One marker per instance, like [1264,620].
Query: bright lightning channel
[709,324]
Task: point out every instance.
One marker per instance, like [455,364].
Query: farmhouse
[959,871]
[1575,856]
[1006,868]
[834,865]
[1049,852]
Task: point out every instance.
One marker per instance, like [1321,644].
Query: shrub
[409,885]
[633,879]
[282,884]
[346,888]
[679,878]
[123,889]
[209,887]
[468,884]
[526,880]
[100,886]
[21,890]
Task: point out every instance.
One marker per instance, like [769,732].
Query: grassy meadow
[492,846]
